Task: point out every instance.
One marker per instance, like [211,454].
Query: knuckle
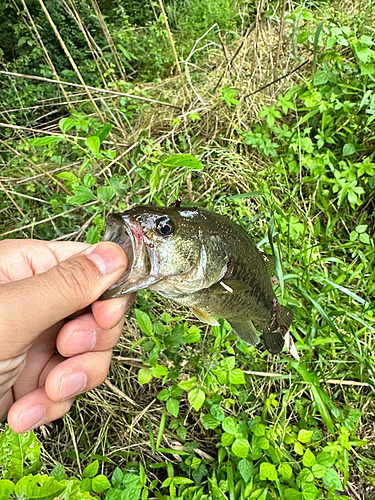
[74,281]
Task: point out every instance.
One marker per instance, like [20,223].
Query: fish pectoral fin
[230,286]
[246,331]
[205,317]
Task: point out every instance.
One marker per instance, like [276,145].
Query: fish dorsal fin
[246,331]
[205,317]
[270,262]
[229,285]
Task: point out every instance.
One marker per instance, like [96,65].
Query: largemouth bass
[204,261]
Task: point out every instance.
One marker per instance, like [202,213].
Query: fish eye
[164,226]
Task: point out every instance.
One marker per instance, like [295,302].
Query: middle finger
[83,334]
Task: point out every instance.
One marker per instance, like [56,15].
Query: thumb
[31,305]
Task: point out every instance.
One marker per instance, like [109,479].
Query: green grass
[190,411]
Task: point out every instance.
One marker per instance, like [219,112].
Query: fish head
[165,248]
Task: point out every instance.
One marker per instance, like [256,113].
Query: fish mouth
[127,233]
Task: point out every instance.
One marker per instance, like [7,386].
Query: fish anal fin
[270,262]
[246,331]
[285,317]
[205,317]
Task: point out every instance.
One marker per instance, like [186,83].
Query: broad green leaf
[184,160]
[259,429]
[105,193]
[73,490]
[298,448]
[100,483]
[193,335]
[164,395]
[310,492]
[103,132]
[230,425]
[209,422]
[321,77]
[367,40]
[348,149]
[117,477]
[228,363]
[58,472]
[173,406]
[93,143]
[236,376]
[144,376]
[318,470]
[241,447]
[175,391]
[304,436]
[44,141]
[143,321]
[308,459]
[65,124]
[6,488]
[332,479]
[159,371]
[325,459]
[364,238]
[69,177]
[291,494]
[267,471]
[246,469]
[82,195]
[196,398]
[130,489]
[259,494]
[187,385]
[226,439]
[88,180]
[305,476]
[181,433]
[19,454]
[217,412]
[285,471]
[38,487]
[91,470]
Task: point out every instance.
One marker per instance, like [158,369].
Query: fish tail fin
[273,336]
[246,331]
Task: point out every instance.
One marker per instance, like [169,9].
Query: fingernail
[81,341]
[107,257]
[119,314]
[72,384]
[31,418]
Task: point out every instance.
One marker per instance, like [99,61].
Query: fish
[204,261]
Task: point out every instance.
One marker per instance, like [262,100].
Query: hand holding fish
[56,339]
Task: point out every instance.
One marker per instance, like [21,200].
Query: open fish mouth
[118,231]
[126,232]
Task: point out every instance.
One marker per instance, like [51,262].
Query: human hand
[48,293]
